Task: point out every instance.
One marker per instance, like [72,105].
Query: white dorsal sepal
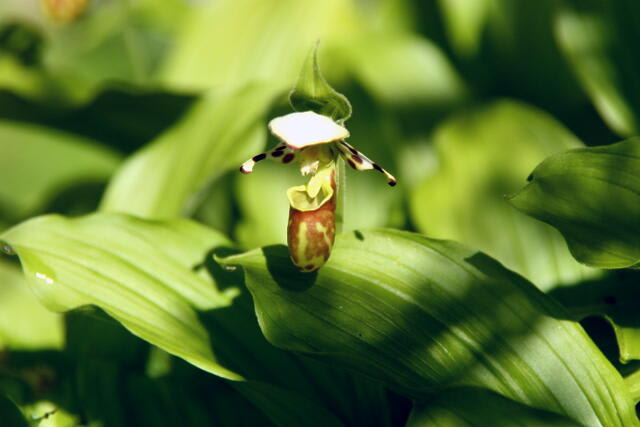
[300,130]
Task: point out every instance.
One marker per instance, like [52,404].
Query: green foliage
[484,155]
[360,308]
[121,132]
[592,195]
[599,39]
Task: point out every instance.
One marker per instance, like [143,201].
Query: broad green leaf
[312,92]
[217,134]
[270,40]
[155,279]
[483,155]
[10,414]
[140,272]
[404,69]
[38,162]
[599,39]
[592,195]
[468,407]
[24,323]
[421,314]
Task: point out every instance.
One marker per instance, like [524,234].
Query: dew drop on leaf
[44,278]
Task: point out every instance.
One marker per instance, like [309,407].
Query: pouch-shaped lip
[303,129]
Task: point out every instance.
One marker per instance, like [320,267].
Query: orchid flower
[315,141]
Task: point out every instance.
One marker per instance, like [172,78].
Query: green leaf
[38,162]
[155,279]
[140,272]
[599,39]
[483,155]
[613,297]
[312,92]
[24,323]
[464,23]
[468,406]
[10,414]
[421,314]
[270,49]
[592,195]
[163,179]
[404,69]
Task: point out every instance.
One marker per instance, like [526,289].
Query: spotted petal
[281,153]
[360,162]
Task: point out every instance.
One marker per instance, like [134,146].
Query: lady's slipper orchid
[315,141]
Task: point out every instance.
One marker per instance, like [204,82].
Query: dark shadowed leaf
[592,195]
[599,38]
[421,314]
[613,297]
[10,415]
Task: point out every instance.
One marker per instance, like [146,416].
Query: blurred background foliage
[148,107]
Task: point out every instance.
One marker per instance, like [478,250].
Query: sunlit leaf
[38,162]
[155,278]
[592,195]
[404,69]
[468,406]
[24,323]
[484,155]
[479,324]
[48,414]
[270,40]
[218,133]
[139,272]
[599,39]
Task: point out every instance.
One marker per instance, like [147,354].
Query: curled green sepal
[312,92]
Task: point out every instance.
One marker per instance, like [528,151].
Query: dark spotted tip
[287,158]
[530,177]
[392,183]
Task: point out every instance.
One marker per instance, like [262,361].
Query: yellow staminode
[299,130]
